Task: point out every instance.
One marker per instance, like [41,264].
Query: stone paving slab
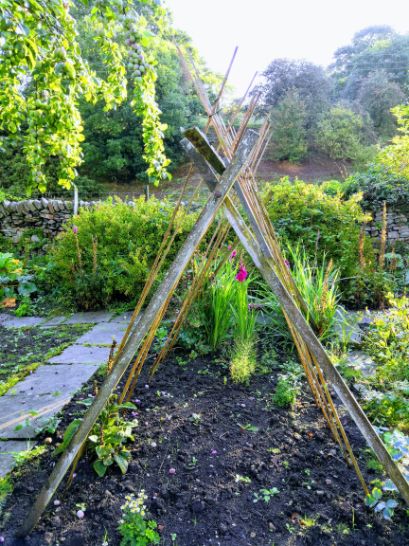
[103,334]
[21,322]
[89,317]
[8,449]
[37,398]
[55,321]
[123,317]
[80,354]
[54,379]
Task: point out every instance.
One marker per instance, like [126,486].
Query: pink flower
[172,471]
[75,230]
[213,452]
[233,255]
[287,263]
[242,273]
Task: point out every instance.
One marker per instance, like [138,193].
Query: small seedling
[266,495]
[196,419]
[242,479]
[249,427]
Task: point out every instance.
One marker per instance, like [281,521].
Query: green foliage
[288,385]
[378,184]
[44,113]
[373,49]
[6,488]
[108,255]
[288,134]
[339,135]
[395,156]
[109,436]
[305,79]
[266,494]
[14,281]
[378,94]
[243,362]
[134,529]
[318,286]
[221,294]
[243,312]
[327,226]
[387,342]
[376,500]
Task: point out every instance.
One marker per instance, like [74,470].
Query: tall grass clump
[317,283]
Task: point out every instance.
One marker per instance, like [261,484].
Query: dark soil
[21,347]
[215,434]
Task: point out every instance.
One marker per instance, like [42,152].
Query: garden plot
[220,465]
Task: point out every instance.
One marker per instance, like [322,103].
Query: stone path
[30,404]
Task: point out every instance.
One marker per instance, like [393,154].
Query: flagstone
[32,402]
[103,334]
[89,317]
[81,354]
[8,450]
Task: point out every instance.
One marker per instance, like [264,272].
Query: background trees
[368,78]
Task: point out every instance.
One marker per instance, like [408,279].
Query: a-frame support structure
[226,178]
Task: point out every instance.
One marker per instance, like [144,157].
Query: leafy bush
[14,281]
[326,225]
[387,342]
[107,254]
[339,135]
[378,184]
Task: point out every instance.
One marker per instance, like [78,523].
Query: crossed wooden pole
[221,178]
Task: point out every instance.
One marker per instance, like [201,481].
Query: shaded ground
[311,170]
[225,443]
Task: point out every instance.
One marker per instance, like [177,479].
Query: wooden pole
[167,286]
[286,301]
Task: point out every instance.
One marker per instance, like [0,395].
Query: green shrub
[326,225]
[339,135]
[378,184]
[107,254]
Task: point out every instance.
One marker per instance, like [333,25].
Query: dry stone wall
[398,225]
[47,214]
[50,214]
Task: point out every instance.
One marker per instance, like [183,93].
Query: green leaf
[121,462]
[99,468]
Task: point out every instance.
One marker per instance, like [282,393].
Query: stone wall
[47,214]
[50,214]
[398,225]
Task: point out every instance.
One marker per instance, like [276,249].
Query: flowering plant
[133,527]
